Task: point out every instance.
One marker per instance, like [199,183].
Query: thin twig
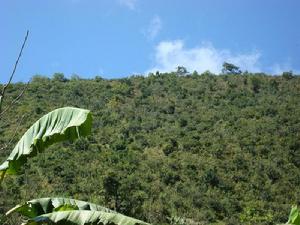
[2,176]
[14,101]
[14,70]
[15,132]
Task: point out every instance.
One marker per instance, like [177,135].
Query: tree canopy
[167,148]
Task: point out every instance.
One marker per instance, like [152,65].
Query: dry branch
[2,94]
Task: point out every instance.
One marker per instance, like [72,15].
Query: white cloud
[154,27]
[131,4]
[100,70]
[278,69]
[55,64]
[170,54]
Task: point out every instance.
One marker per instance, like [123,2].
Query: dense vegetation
[169,147]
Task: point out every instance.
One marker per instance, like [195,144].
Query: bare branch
[14,70]
[21,119]
[2,176]
[14,101]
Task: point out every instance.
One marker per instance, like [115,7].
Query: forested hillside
[206,149]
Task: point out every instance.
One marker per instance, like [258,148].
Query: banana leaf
[61,124]
[294,217]
[83,217]
[37,207]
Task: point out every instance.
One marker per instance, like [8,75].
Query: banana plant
[66,123]
[36,207]
[69,212]
[61,124]
[294,217]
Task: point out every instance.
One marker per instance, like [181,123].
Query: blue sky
[117,38]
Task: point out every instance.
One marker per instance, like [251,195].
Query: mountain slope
[203,147]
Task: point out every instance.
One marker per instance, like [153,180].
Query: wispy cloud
[55,64]
[279,68]
[154,28]
[170,54]
[131,4]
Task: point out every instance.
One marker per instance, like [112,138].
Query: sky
[119,38]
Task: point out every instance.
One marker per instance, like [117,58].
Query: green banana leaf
[61,124]
[37,207]
[294,217]
[83,217]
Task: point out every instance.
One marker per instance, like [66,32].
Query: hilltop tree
[59,77]
[287,75]
[181,70]
[229,68]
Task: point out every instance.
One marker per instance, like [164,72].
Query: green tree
[229,68]
[59,77]
[181,70]
[287,75]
